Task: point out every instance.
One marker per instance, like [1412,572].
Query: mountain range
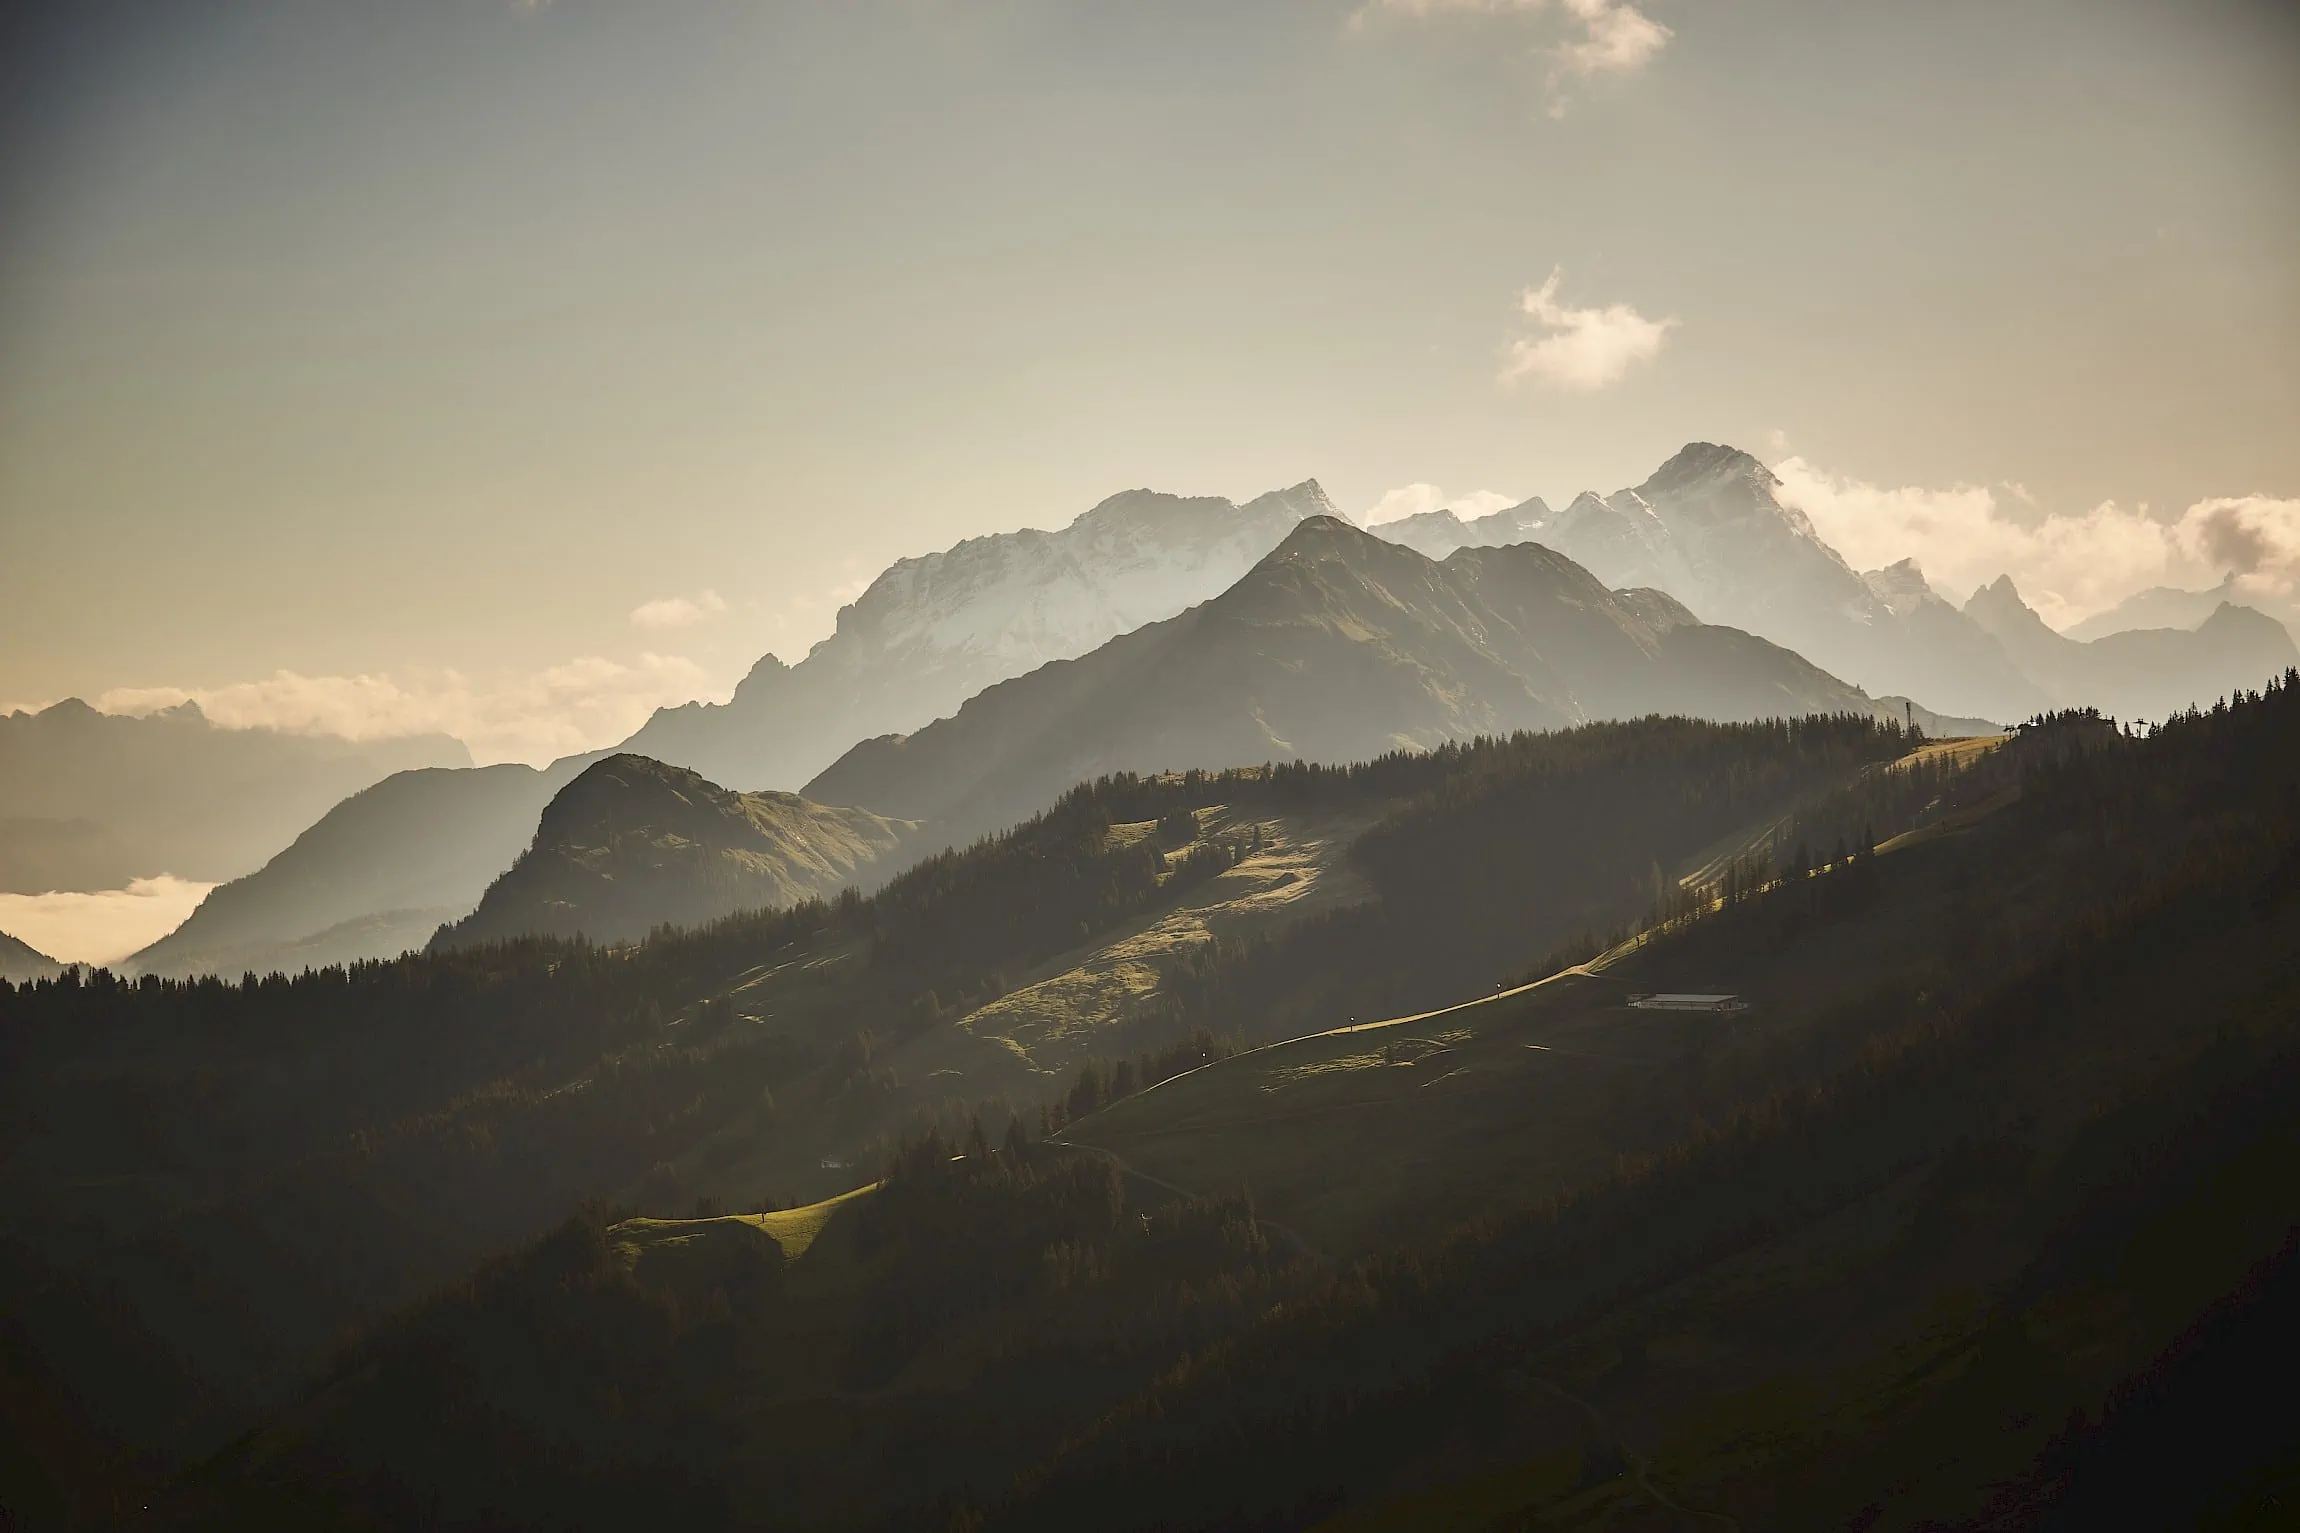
[2176,607]
[1708,529]
[633,844]
[933,631]
[2140,672]
[1337,647]
[90,800]
[381,872]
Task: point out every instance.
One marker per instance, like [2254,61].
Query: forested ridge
[1166,1360]
[1084,1350]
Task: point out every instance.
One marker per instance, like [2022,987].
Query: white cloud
[2256,538]
[1610,37]
[1617,38]
[1414,499]
[104,927]
[581,705]
[1583,349]
[2067,566]
[677,611]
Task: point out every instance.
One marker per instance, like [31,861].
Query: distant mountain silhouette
[93,799]
[1337,647]
[19,961]
[2156,607]
[931,632]
[374,878]
[2139,673]
[633,844]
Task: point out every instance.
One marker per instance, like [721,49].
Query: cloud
[2067,566]
[1610,37]
[1617,38]
[104,927]
[677,611]
[581,705]
[1584,349]
[1414,499]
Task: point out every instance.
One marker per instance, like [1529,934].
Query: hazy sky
[515,367]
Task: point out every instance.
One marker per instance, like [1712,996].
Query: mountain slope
[20,961]
[2139,673]
[94,799]
[931,632]
[1339,646]
[633,844]
[375,877]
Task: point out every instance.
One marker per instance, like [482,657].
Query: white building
[1689,1001]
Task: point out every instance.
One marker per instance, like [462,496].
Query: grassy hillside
[633,844]
[1984,1203]
[1521,1094]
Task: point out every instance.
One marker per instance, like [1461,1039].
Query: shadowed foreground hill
[1337,647]
[1982,1217]
[633,844]
[286,1157]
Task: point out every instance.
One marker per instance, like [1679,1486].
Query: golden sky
[514,368]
